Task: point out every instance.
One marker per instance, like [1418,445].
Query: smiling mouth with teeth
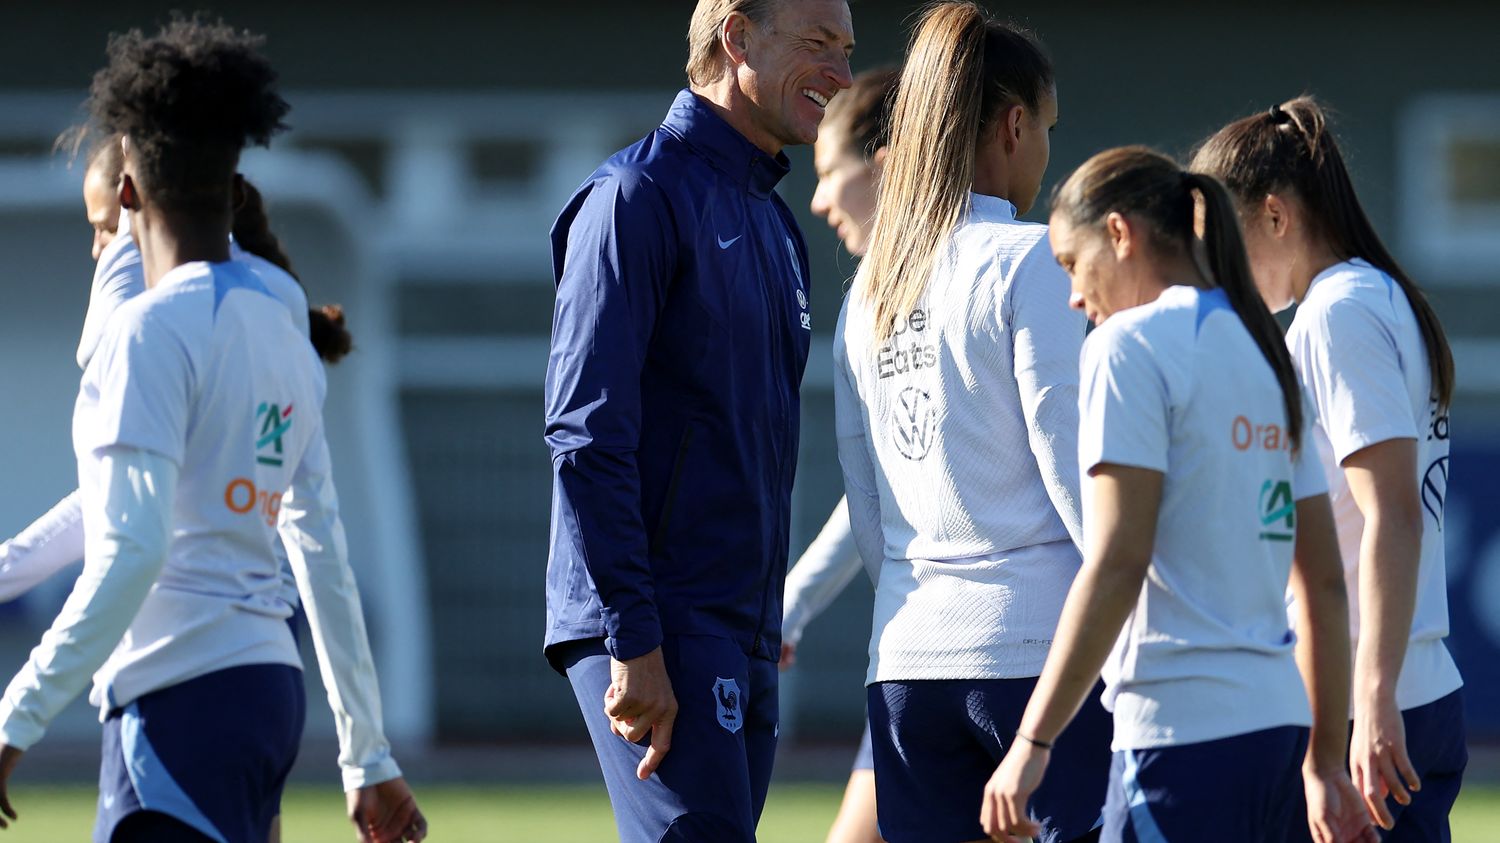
[816,97]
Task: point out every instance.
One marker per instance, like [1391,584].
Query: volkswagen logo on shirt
[914,419]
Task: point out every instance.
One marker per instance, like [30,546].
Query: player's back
[207,370]
[1200,404]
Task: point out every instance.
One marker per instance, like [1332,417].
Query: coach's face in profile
[792,65]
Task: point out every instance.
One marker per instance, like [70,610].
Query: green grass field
[796,813]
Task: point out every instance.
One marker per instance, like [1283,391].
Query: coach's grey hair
[703,66]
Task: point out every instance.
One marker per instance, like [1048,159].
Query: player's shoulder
[1163,330]
[278,282]
[1349,296]
[1350,281]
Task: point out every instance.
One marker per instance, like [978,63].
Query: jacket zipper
[774,316]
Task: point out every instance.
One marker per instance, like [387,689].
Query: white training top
[207,373]
[826,568]
[55,540]
[1179,386]
[1359,351]
[957,440]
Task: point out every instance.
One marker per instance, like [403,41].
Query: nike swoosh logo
[724,244]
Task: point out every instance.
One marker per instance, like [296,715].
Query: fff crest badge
[727,702]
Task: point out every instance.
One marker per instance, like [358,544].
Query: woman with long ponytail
[1373,357]
[1201,506]
[956,407]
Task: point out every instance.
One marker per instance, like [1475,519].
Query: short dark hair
[189,98]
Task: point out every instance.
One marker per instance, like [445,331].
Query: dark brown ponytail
[330,338]
[252,230]
[1152,188]
[1230,269]
[1291,148]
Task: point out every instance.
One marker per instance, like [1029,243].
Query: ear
[877,161]
[1121,238]
[1010,126]
[735,38]
[130,198]
[1277,215]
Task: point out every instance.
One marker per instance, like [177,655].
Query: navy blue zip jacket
[679,339]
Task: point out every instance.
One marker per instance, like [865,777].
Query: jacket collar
[990,208]
[692,120]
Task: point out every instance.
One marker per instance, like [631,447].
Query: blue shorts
[1241,789]
[1436,743]
[712,785]
[212,752]
[937,743]
[864,759]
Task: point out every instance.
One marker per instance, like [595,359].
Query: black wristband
[1034,742]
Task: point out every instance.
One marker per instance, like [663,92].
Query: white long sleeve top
[958,441]
[180,433]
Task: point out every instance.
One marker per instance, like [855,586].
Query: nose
[1075,301]
[820,204]
[843,75]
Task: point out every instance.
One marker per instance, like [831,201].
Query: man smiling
[679,339]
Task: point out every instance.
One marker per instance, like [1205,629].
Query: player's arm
[121,564]
[133,448]
[1046,339]
[614,267]
[1381,480]
[127,548]
[1125,504]
[1351,365]
[1334,810]
[380,804]
[825,569]
[1123,438]
[857,460]
[46,546]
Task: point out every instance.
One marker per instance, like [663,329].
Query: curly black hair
[189,98]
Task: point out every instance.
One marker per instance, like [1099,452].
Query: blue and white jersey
[192,370]
[957,440]
[1359,352]
[206,371]
[1179,386]
[118,278]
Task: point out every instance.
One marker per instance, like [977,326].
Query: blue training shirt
[679,339]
